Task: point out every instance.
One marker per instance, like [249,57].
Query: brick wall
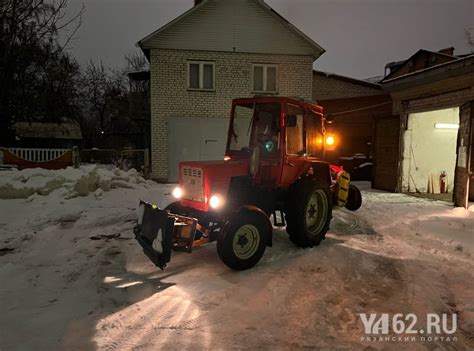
[327,87]
[355,129]
[233,78]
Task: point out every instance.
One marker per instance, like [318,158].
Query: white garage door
[195,139]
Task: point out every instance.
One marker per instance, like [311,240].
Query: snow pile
[70,182]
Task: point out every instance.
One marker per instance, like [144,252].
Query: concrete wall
[429,150]
[233,79]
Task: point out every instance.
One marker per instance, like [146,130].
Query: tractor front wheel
[175,208]
[243,240]
[308,212]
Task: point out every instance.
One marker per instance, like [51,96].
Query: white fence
[37,155]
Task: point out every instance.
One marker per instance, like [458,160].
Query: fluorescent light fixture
[447,125]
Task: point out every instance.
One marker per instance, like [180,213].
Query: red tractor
[273,167]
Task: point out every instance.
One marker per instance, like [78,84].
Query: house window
[201,75]
[265,78]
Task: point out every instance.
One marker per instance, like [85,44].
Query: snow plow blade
[158,231]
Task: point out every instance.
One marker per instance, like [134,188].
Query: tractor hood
[200,180]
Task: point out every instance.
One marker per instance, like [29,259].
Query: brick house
[217,51]
[422,59]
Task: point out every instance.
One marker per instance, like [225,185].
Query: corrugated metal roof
[236,26]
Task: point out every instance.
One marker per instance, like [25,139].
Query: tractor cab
[273,168]
[279,136]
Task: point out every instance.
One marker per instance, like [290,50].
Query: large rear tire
[243,240]
[308,212]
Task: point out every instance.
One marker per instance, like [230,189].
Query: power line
[359,109]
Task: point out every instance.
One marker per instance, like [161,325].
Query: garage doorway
[387,141]
[195,139]
[429,154]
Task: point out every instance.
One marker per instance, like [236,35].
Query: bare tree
[137,67]
[136,62]
[31,58]
[470,38]
[104,90]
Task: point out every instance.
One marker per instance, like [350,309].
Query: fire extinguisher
[442,181]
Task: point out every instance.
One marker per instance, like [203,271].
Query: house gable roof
[457,67]
[249,26]
[398,66]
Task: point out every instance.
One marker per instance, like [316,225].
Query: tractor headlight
[330,140]
[177,192]
[215,201]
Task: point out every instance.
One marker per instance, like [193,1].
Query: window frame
[201,75]
[320,153]
[265,67]
[303,131]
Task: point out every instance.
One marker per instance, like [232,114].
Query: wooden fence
[22,158]
[38,155]
[43,158]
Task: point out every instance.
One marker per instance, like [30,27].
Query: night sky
[360,36]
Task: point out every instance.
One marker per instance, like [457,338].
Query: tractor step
[275,219]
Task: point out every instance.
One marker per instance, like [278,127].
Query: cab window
[314,134]
[240,137]
[267,129]
[295,130]
[260,120]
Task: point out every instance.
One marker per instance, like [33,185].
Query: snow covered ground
[73,278]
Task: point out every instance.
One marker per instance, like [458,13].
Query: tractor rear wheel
[243,240]
[308,212]
[354,198]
